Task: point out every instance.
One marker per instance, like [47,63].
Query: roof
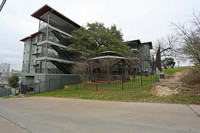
[136,41]
[113,53]
[31,36]
[148,43]
[139,42]
[106,57]
[37,14]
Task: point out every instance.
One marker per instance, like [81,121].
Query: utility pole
[2,4]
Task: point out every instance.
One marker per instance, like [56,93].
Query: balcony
[54,38]
[51,28]
[35,53]
[53,57]
[48,71]
[135,50]
[43,43]
[35,63]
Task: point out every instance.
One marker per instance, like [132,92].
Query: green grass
[113,92]
[8,97]
[136,94]
[141,94]
[172,71]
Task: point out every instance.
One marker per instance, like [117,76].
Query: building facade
[142,51]
[4,69]
[47,64]
[47,60]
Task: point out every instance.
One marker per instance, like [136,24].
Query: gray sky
[147,20]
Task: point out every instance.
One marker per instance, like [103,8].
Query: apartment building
[142,50]
[47,64]
[4,69]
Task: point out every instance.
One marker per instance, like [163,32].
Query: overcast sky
[147,20]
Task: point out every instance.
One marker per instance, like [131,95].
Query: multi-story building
[47,60]
[47,64]
[4,69]
[142,50]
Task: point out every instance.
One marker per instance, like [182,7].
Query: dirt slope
[171,86]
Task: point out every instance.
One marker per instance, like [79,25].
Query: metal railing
[115,82]
[48,70]
[50,54]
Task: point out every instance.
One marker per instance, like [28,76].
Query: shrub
[13,81]
[192,76]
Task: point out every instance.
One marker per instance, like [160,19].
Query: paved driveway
[62,115]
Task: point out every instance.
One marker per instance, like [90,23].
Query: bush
[13,81]
[192,76]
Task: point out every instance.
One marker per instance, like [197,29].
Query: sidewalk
[8,126]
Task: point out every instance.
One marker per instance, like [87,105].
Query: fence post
[60,82]
[49,84]
[39,86]
[141,71]
[122,80]
[77,81]
[97,83]
[141,78]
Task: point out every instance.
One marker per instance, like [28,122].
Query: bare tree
[107,64]
[168,46]
[190,37]
[82,69]
[133,63]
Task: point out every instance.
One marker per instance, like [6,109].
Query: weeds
[192,76]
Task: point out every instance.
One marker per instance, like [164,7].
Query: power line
[2,4]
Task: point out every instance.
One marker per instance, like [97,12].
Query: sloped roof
[46,8]
[31,36]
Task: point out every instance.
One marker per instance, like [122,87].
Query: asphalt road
[62,115]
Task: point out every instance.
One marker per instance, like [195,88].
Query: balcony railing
[52,55]
[35,63]
[51,38]
[66,29]
[42,25]
[48,70]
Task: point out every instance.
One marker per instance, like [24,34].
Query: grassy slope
[136,94]
[128,95]
[142,94]
[172,71]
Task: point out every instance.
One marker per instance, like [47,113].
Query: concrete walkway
[7,126]
[62,115]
